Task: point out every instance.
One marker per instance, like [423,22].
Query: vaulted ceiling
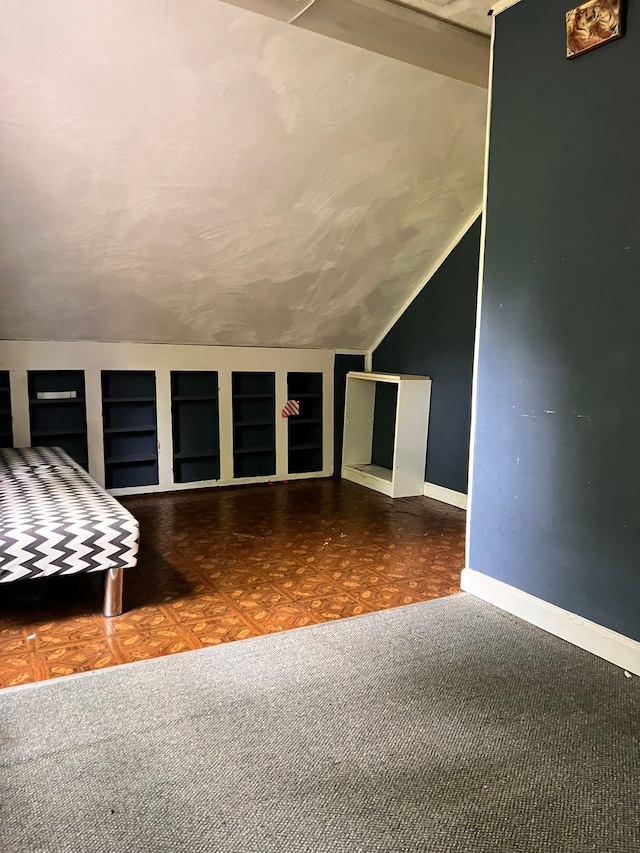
[191,172]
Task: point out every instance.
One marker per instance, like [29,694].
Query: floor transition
[225,564]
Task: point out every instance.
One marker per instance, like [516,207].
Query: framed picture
[592,24]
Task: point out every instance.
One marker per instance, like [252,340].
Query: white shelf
[371,476]
[406,477]
[392,378]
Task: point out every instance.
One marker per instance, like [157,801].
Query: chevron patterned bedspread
[56,520]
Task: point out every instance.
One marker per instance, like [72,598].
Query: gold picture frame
[592,24]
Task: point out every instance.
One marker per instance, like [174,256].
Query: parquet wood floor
[224,564]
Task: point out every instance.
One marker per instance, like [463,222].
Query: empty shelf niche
[254,424]
[195,422]
[305,429]
[130,428]
[6,430]
[57,412]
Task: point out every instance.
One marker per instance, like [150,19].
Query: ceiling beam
[389,29]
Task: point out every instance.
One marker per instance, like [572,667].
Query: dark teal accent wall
[556,478]
[384,424]
[342,365]
[435,337]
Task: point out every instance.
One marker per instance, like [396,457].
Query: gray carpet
[441,727]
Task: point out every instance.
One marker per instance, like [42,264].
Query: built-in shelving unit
[6,431]
[406,476]
[254,425]
[57,412]
[305,429]
[130,428]
[145,418]
[196,434]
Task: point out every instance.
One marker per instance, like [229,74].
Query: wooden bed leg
[113,592]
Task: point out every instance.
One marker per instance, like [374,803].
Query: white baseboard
[447,496]
[603,642]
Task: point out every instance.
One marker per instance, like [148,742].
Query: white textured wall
[189,172]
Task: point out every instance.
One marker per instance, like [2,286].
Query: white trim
[301,11]
[446,496]
[426,277]
[476,347]
[21,422]
[211,484]
[368,361]
[500,6]
[389,378]
[603,642]
[364,352]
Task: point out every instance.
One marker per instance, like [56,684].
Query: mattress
[56,520]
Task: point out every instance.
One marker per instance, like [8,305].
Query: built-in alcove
[254,424]
[57,412]
[130,428]
[305,429]
[196,434]
[178,417]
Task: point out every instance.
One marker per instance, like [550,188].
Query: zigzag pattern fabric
[56,520]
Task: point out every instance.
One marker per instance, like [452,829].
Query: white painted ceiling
[190,172]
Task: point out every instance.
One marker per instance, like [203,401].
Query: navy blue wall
[435,337]
[556,479]
[342,365]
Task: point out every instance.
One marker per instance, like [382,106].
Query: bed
[56,520]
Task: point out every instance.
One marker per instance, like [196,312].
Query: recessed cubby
[57,412]
[196,435]
[254,425]
[130,428]
[6,430]
[305,429]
